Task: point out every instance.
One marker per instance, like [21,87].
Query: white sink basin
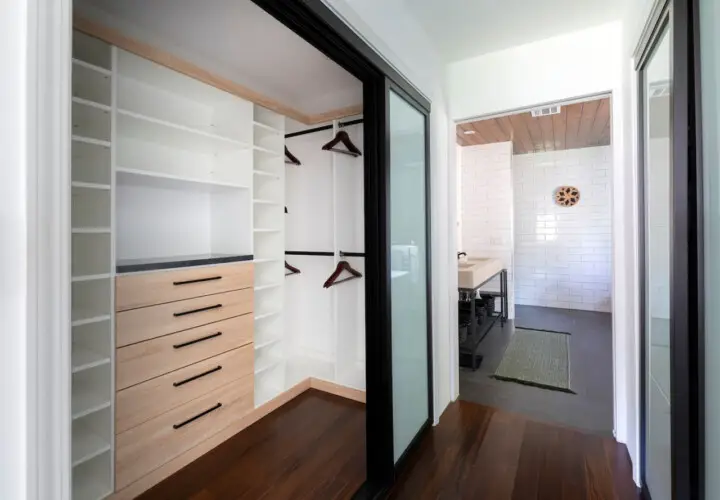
[477,270]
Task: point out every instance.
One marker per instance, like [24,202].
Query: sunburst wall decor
[567,196]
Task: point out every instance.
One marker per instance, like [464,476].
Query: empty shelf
[265,230]
[146,128]
[84,359]
[90,185]
[90,230]
[266,202]
[263,173]
[267,127]
[265,394]
[90,277]
[145,178]
[266,315]
[267,364]
[260,288]
[267,151]
[261,343]
[90,140]
[92,67]
[90,488]
[86,320]
[85,403]
[92,104]
[262,261]
[87,445]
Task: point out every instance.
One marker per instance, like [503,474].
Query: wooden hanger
[290,158]
[343,137]
[292,269]
[343,265]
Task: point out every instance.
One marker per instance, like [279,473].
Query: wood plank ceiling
[580,125]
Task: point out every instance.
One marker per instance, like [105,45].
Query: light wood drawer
[140,362]
[143,402]
[150,322]
[147,289]
[146,447]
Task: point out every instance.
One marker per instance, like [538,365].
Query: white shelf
[92,104]
[265,230]
[85,403]
[92,67]
[84,359]
[267,127]
[147,128]
[89,320]
[268,151]
[266,343]
[90,140]
[266,202]
[268,364]
[87,445]
[263,173]
[266,315]
[135,177]
[263,261]
[267,287]
[91,277]
[90,230]
[91,185]
[90,489]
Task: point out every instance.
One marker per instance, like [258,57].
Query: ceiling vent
[546,111]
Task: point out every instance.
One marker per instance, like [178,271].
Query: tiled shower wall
[487,207]
[562,254]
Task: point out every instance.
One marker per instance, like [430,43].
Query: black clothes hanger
[290,158]
[343,265]
[292,269]
[343,137]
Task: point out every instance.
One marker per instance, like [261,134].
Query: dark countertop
[176,261]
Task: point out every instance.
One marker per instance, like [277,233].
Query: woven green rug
[538,358]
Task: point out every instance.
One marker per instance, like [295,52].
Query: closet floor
[310,448]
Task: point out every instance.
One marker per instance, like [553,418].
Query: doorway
[535,200]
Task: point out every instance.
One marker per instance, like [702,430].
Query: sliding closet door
[671,257]
[409,286]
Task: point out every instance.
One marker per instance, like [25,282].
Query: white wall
[579,64]
[388,26]
[563,67]
[13,251]
[487,208]
[562,254]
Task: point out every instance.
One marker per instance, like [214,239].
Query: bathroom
[534,270]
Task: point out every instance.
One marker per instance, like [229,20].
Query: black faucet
[460,254]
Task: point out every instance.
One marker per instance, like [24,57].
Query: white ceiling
[467,28]
[237,40]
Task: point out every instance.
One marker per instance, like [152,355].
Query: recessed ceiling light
[468,132]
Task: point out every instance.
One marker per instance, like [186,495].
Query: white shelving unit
[268,249]
[92,269]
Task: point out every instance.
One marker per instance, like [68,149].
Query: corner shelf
[86,446]
[266,230]
[263,173]
[157,179]
[84,359]
[267,315]
[92,104]
[260,288]
[266,202]
[90,277]
[267,365]
[92,67]
[90,185]
[90,140]
[267,343]
[91,319]
[85,404]
[267,127]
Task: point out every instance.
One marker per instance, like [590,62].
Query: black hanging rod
[325,254]
[325,127]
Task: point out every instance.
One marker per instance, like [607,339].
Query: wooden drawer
[143,402]
[147,289]
[140,362]
[146,447]
[147,323]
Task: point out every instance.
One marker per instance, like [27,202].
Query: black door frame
[317,24]
[686,275]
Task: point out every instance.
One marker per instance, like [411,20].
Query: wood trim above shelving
[147,51]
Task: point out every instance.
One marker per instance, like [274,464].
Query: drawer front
[140,403]
[140,362]
[147,289]
[146,447]
[147,323]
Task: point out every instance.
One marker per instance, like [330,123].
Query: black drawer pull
[191,342]
[177,426]
[208,308]
[195,377]
[200,280]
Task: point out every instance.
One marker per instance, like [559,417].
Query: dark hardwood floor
[314,448]
[311,448]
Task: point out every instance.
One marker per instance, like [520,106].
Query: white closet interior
[169,169]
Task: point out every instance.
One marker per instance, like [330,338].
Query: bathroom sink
[476,270]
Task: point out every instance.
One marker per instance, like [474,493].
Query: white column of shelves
[269,252]
[92,269]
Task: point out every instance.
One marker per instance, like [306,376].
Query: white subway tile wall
[487,207]
[562,254]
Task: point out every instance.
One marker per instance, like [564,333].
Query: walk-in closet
[218,255]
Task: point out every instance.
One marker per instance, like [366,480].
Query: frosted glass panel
[658,168]
[408,263]
[710,81]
